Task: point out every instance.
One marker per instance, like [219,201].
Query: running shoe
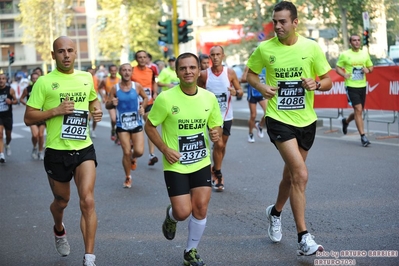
[260,130]
[133,165]
[2,158]
[113,135]
[8,150]
[41,155]
[93,134]
[89,260]
[274,230]
[34,154]
[218,185]
[251,138]
[192,258]
[365,141]
[308,246]
[344,126]
[169,226]
[61,244]
[128,182]
[153,160]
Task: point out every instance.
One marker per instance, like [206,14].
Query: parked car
[384,62]
[239,69]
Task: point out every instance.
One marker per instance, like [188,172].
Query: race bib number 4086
[74,125]
[291,95]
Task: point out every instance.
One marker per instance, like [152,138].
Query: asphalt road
[352,204]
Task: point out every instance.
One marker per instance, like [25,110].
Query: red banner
[382,91]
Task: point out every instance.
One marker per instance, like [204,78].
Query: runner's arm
[171,156]
[236,84]
[95,110]
[23,95]
[33,116]
[112,101]
[202,79]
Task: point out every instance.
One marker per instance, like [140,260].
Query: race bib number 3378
[192,148]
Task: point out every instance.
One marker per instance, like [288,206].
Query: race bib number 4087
[291,95]
[74,125]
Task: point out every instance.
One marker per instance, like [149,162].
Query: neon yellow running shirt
[285,65]
[353,63]
[65,132]
[185,120]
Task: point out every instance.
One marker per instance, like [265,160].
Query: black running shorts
[180,184]
[356,96]
[6,122]
[131,131]
[227,127]
[61,164]
[148,108]
[254,99]
[281,132]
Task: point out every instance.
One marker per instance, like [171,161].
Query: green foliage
[139,28]
[42,22]
[251,14]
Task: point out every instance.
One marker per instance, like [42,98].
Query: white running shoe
[93,134]
[274,230]
[251,138]
[2,158]
[308,246]
[61,244]
[260,130]
[8,150]
[89,260]
[41,155]
[34,154]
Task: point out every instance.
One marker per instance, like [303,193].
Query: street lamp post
[77,42]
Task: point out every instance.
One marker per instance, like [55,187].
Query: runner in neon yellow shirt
[292,65]
[64,99]
[353,65]
[186,112]
[167,78]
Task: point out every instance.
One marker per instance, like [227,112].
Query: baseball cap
[172,59]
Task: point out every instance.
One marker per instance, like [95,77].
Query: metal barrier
[340,112]
[388,122]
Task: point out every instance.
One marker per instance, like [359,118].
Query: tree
[251,14]
[346,15]
[42,21]
[137,29]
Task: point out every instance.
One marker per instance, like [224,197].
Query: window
[5,7]
[7,29]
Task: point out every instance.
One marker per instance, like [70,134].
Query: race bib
[74,125]
[129,120]
[192,148]
[148,92]
[291,95]
[357,73]
[222,100]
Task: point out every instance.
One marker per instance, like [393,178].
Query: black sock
[217,172]
[362,135]
[59,233]
[274,212]
[301,234]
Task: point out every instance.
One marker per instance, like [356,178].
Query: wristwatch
[318,85]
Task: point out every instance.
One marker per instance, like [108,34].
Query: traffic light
[165,31]
[183,27]
[366,37]
[11,58]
